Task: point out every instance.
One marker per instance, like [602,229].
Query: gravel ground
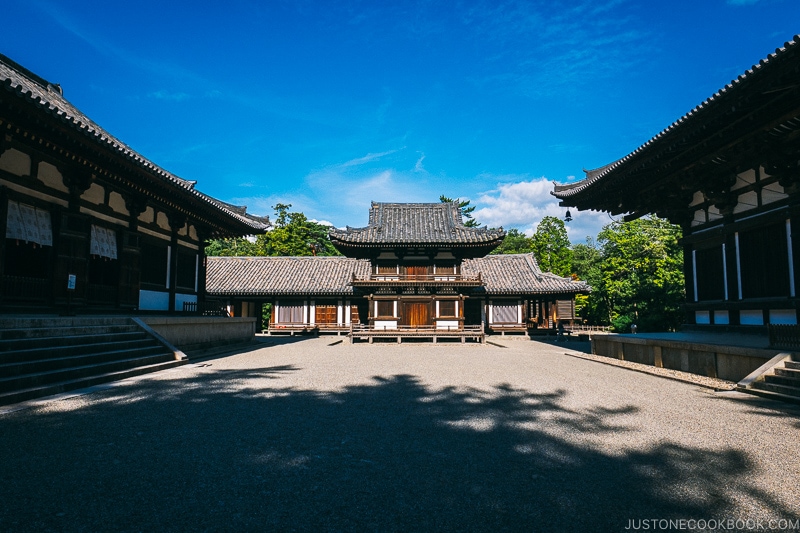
[321,435]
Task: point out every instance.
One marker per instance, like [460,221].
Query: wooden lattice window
[710,275]
[764,260]
[290,312]
[447,308]
[505,313]
[385,307]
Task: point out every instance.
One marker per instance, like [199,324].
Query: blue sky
[329,105]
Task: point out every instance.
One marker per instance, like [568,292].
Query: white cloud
[521,202]
[369,158]
[418,165]
[167,95]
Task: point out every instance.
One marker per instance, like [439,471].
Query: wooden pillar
[732,275]
[3,222]
[202,271]
[176,222]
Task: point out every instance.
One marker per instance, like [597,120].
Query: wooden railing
[207,308]
[418,278]
[426,330]
[784,336]
[24,288]
[586,327]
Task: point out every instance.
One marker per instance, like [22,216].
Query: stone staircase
[44,356]
[780,380]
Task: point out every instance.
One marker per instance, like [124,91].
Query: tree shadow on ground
[229,451]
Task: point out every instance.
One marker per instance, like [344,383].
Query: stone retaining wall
[191,333]
[732,363]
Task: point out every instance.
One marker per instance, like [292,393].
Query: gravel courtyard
[311,435]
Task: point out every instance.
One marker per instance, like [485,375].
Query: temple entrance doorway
[416,314]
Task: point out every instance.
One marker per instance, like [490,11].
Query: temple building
[90,224]
[728,172]
[414,267]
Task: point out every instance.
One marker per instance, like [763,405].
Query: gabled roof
[48,97]
[397,224]
[759,108]
[510,274]
[283,276]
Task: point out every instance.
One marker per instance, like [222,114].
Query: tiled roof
[283,276]
[332,276]
[37,91]
[409,224]
[720,98]
[519,274]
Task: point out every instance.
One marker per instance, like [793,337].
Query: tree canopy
[640,279]
[515,242]
[551,246]
[292,235]
[466,210]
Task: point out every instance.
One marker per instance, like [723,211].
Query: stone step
[100,353]
[64,331]
[782,380]
[35,322]
[788,372]
[54,347]
[787,390]
[774,395]
[30,393]
[40,379]
[795,365]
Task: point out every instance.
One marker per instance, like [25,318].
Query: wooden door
[416,314]
[417,272]
[325,314]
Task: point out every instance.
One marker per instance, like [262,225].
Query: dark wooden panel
[416,314]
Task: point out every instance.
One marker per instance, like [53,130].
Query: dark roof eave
[575,194]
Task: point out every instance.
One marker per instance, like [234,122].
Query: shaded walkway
[238,446]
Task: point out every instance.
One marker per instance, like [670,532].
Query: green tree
[514,242]
[641,274]
[294,235]
[237,246]
[586,266]
[551,247]
[466,210]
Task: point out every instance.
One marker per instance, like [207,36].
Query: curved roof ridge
[416,223]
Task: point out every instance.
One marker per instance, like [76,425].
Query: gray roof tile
[410,224]
[519,274]
[317,276]
[283,276]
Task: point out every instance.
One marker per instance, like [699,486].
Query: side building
[728,172]
[90,224]
[414,266]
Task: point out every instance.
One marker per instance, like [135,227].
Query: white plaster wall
[51,177]
[16,162]
[95,194]
[751,318]
[748,200]
[154,301]
[702,317]
[783,316]
[180,298]
[117,203]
